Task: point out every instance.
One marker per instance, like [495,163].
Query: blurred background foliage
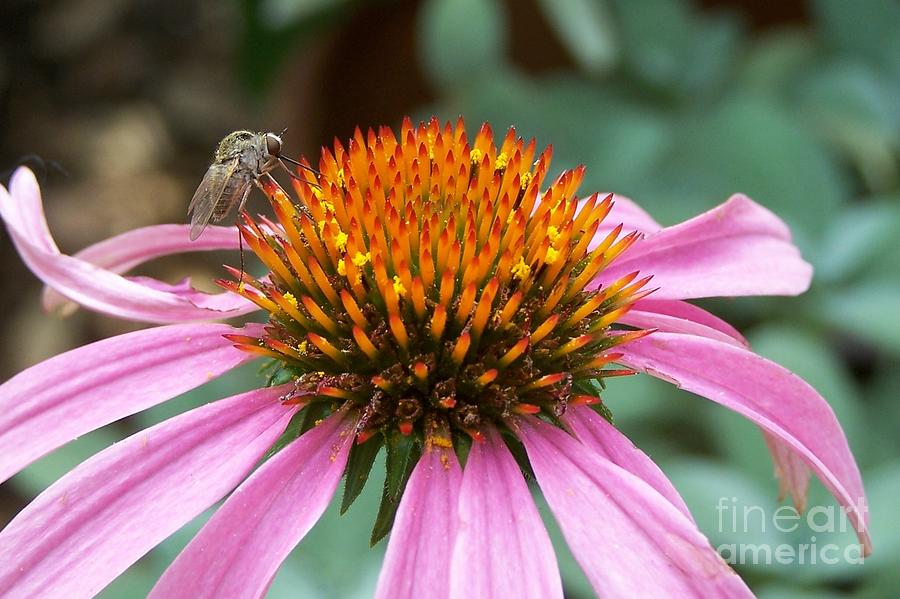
[673,103]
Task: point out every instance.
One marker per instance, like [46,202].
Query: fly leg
[240,210]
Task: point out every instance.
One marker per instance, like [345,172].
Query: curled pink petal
[617,525]
[27,211]
[738,248]
[90,285]
[123,252]
[417,562]
[676,316]
[502,548]
[96,521]
[780,402]
[74,393]
[238,551]
[605,440]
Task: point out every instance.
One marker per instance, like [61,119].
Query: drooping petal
[27,209]
[790,469]
[51,403]
[96,521]
[603,438]
[92,286]
[238,551]
[780,402]
[676,316]
[738,248]
[502,548]
[417,562]
[629,540]
[123,252]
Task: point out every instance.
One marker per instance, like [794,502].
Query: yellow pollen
[430,146]
[552,255]
[526,181]
[241,287]
[502,161]
[553,233]
[340,240]
[442,442]
[342,268]
[521,270]
[302,347]
[476,155]
[360,259]
[291,299]
[317,192]
[398,287]
[340,177]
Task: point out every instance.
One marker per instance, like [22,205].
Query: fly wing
[209,194]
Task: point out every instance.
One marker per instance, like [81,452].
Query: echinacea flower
[437,298]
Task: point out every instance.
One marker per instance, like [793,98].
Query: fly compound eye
[273,144]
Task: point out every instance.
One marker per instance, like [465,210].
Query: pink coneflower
[436,298]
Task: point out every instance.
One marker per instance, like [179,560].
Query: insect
[240,160]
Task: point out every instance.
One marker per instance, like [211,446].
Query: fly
[240,160]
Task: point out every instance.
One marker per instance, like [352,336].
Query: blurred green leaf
[271,33]
[859,235]
[670,47]
[655,36]
[586,29]
[884,409]
[869,310]
[277,14]
[784,590]
[461,41]
[750,145]
[867,28]
[855,108]
[774,60]
[883,487]
[722,501]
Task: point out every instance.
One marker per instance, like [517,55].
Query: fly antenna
[281,160]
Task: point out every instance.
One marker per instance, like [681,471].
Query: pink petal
[627,213]
[74,393]
[737,248]
[784,405]
[27,210]
[629,540]
[96,521]
[90,285]
[238,551]
[502,548]
[123,252]
[676,316]
[790,469]
[605,440]
[417,562]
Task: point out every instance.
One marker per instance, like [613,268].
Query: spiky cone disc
[430,278]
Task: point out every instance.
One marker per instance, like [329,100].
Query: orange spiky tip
[427,276]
